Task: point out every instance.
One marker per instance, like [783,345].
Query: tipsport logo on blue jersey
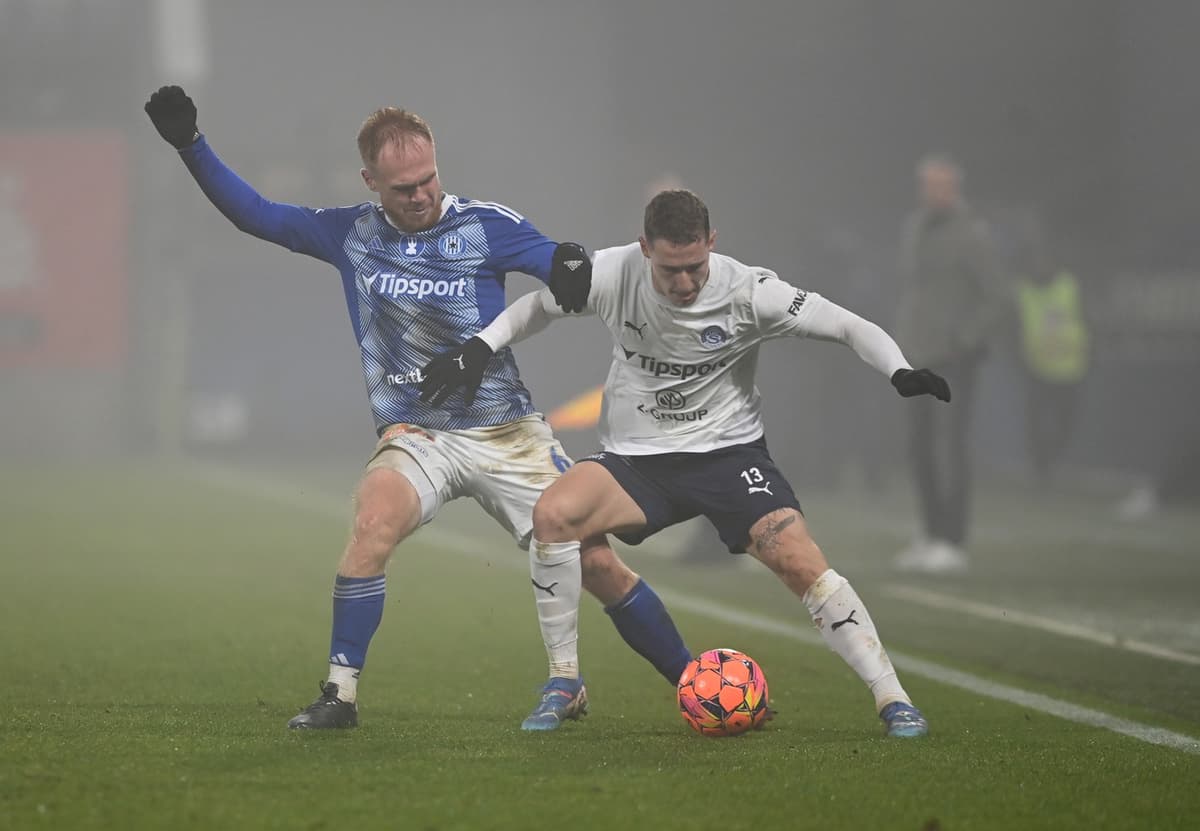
[396,285]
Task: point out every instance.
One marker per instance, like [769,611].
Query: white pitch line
[937,600]
[952,677]
[285,493]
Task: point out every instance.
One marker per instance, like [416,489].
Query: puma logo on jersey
[760,489]
[637,329]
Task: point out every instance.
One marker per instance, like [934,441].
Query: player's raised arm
[783,310]
[173,114]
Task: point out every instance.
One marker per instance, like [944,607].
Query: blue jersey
[411,296]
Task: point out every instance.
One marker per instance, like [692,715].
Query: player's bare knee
[376,532]
[554,519]
[386,510]
[376,527]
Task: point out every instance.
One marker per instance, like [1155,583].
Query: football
[723,692]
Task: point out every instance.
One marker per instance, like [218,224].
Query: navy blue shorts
[734,487]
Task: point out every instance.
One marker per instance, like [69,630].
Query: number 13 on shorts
[752,476]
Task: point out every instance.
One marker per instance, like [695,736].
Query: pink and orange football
[723,692]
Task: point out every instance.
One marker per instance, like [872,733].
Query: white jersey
[682,377]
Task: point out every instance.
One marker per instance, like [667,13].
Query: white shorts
[504,468]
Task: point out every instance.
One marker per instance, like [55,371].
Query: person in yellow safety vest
[1055,352]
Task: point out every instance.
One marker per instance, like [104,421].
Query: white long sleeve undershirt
[527,315]
[532,312]
[869,341]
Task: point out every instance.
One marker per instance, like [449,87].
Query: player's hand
[571,277]
[174,116]
[460,367]
[910,382]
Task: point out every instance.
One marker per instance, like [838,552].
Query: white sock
[347,680]
[557,585]
[843,622]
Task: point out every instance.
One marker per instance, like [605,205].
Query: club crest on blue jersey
[411,246]
[452,246]
[713,336]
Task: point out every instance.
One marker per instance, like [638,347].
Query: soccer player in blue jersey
[422,270]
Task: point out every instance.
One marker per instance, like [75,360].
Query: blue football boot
[562,698]
[903,720]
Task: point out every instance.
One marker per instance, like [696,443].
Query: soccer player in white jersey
[681,422]
[422,269]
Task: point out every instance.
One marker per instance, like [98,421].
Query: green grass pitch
[159,630]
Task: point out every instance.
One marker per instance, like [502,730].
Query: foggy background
[135,320]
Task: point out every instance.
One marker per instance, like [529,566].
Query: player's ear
[712,239]
[368,180]
[645,247]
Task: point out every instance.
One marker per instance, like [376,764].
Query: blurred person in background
[421,269]
[1054,353]
[952,299]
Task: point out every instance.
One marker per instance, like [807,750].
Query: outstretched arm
[829,321]
[877,348]
[297,228]
[785,310]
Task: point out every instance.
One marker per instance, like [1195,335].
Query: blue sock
[357,610]
[646,626]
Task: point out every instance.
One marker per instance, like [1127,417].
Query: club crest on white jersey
[682,378]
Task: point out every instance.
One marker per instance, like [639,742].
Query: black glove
[910,382]
[174,116]
[460,367]
[571,277]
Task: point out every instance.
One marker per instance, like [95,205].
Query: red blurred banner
[64,220]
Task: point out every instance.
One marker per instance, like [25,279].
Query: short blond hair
[390,125]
